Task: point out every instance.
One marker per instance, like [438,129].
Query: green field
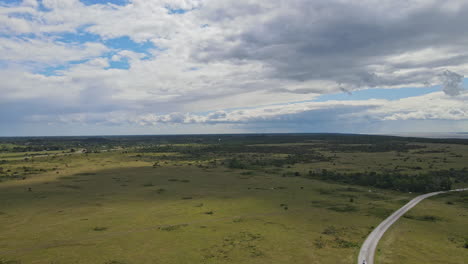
[245,201]
[435,231]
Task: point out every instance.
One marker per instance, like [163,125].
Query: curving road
[366,255]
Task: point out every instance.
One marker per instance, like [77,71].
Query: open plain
[233,199]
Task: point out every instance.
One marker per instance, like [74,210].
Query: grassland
[433,232]
[184,203]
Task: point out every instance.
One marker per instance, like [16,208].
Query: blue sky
[115,45]
[76,67]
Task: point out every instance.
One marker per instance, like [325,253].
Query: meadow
[226,199]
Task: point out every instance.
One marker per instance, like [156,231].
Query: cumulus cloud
[46,51]
[434,106]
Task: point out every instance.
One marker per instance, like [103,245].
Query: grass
[432,232]
[117,207]
[101,221]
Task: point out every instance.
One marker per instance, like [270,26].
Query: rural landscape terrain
[271,198]
[233,132]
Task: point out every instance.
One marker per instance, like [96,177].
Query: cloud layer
[241,64]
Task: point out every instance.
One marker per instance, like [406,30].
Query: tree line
[428,182]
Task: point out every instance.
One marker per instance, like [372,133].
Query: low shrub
[429,218]
[343,208]
[76,187]
[172,227]
[100,228]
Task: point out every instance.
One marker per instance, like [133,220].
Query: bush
[68,186]
[429,218]
[380,212]
[100,228]
[325,191]
[341,243]
[115,262]
[433,181]
[236,164]
[343,208]
[319,243]
[331,230]
[172,227]
[238,220]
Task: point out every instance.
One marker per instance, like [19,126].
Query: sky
[116,67]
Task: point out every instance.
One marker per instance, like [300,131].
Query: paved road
[366,255]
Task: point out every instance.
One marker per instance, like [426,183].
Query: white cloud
[435,106]
[46,51]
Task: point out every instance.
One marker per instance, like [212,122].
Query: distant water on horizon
[463,135]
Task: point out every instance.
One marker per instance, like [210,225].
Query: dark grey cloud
[348,42]
[452,82]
